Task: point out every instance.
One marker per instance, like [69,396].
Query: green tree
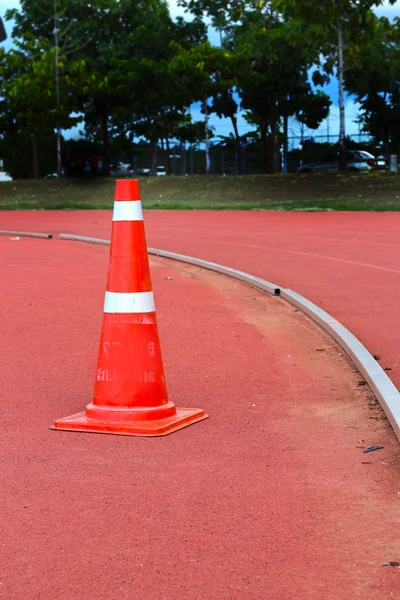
[190,132]
[374,80]
[204,72]
[272,59]
[34,22]
[225,105]
[274,81]
[31,106]
[340,26]
[109,36]
[158,99]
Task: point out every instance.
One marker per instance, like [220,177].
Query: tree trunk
[106,145]
[276,162]
[386,145]
[168,155]
[239,168]
[59,155]
[265,147]
[35,157]
[235,128]
[342,133]
[285,142]
[207,118]
[58,94]
[164,158]
[184,159]
[191,160]
[154,152]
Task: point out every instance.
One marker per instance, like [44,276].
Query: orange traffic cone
[130,395]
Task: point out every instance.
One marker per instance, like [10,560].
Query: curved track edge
[382,386]
[44,236]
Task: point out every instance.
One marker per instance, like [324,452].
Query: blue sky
[224,127]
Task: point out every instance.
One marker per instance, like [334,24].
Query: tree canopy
[126,70]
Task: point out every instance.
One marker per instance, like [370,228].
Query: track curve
[272,495]
[381,385]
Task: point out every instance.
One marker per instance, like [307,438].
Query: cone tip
[127,190]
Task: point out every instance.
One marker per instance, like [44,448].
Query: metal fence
[191,159]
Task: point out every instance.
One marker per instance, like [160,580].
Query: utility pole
[328,129]
[207,118]
[342,134]
[3,37]
[58,97]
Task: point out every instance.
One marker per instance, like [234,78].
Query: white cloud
[386,10]
[389,7]
[175,9]
[7,4]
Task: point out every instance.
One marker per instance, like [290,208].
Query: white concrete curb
[384,389]
[82,238]
[45,236]
[256,282]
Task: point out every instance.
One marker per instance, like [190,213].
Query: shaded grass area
[309,192]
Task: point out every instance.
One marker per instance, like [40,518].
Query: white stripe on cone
[119,303]
[128,211]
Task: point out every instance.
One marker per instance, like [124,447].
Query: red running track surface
[348,263]
[270,498]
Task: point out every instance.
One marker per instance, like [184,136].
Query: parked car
[382,163]
[357,160]
[5,177]
[161,172]
[121,170]
[142,171]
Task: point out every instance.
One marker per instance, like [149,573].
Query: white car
[357,160]
[121,170]
[5,177]
[161,172]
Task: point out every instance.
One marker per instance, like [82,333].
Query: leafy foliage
[375,81]
[128,70]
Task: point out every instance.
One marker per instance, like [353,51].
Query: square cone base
[183,418]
